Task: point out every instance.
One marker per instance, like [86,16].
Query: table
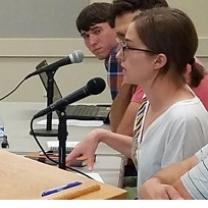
[23,178]
[17,116]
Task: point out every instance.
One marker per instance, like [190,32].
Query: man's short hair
[93,14]
[120,7]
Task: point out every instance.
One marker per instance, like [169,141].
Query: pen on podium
[61,188]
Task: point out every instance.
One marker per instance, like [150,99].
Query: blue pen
[61,188]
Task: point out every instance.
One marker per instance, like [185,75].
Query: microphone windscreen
[96,86]
[76,56]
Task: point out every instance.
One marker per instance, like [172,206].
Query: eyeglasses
[124,47]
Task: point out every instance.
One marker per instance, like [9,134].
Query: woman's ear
[160,61]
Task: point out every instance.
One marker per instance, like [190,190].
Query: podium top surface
[23,178]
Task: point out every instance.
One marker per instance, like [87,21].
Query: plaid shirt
[114,73]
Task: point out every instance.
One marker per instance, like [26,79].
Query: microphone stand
[50,93]
[62,136]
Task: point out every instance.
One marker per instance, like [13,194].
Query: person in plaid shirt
[114,72]
[99,36]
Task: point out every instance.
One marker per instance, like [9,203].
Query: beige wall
[18,57]
[198,11]
[69,78]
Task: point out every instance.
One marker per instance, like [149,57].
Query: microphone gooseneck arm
[12,91]
[75,57]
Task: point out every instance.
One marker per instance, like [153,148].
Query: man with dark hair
[95,26]
[122,7]
[92,15]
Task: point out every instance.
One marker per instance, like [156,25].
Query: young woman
[158,45]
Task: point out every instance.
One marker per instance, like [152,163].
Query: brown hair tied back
[192,61]
[197,73]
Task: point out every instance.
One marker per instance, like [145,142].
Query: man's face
[100,39]
[121,24]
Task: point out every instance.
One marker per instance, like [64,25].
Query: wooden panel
[23,178]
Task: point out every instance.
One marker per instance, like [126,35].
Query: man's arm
[127,123]
[179,187]
[172,173]
[124,109]
[154,189]
[166,184]
[118,110]
[194,183]
[188,179]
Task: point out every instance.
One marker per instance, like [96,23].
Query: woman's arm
[89,145]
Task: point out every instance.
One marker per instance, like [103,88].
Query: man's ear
[160,61]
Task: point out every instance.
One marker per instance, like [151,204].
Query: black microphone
[74,57]
[93,87]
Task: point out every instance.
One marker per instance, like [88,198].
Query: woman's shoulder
[187,111]
[187,105]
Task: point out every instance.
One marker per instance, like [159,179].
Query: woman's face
[136,59]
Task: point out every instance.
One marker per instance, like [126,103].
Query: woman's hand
[87,148]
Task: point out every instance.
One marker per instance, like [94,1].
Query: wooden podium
[23,178]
